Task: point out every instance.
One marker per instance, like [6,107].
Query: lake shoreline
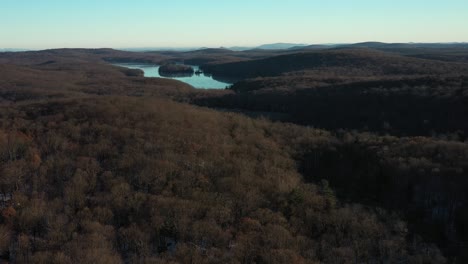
[198,81]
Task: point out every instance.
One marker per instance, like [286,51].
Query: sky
[41,24]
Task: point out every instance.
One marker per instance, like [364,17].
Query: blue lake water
[201,81]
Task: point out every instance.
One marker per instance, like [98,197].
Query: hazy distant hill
[12,50]
[369,44]
[396,47]
[280,46]
[211,50]
[382,45]
[237,48]
[311,47]
[147,49]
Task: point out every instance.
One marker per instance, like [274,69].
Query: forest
[367,164]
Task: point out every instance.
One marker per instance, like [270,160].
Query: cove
[200,81]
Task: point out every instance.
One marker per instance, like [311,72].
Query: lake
[200,81]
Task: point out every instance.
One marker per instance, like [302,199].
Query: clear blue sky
[38,24]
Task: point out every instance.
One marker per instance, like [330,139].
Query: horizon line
[225,47]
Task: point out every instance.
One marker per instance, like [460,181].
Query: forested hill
[360,89]
[101,165]
[361,61]
[114,178]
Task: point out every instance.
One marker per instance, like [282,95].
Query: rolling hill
[369,62]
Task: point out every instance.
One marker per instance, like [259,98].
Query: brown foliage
[103,172]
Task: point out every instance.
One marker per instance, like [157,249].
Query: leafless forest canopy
[353,154]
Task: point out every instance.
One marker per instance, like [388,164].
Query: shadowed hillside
[425,105]
[143,179]
[369,62]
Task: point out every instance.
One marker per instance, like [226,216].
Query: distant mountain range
[272,46]
[370,44]
[159,49]
[281,46]
[382,45]
[299,46]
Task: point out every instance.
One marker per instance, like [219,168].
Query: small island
[176,70]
